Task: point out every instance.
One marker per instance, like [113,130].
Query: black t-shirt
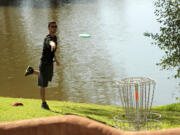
[47,54]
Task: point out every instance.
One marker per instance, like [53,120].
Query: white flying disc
[84,35]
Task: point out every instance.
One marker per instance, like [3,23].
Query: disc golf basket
[136,96]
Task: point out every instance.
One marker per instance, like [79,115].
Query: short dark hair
[49,23]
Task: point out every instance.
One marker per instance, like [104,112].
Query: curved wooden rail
[70,125]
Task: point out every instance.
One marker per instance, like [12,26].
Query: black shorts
[45,74]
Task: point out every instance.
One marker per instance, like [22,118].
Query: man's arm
[55,59]
[53,47]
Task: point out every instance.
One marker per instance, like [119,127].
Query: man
[45,72]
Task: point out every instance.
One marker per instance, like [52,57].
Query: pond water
[89,66]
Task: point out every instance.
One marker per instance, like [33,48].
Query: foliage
[168,15]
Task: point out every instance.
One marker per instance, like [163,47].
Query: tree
[168,39]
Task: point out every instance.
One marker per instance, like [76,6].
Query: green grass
[32,109]
[102,113]
[170,115]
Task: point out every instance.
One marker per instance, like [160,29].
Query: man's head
[52,27]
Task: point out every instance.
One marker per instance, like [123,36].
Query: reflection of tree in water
[13,53]
[34,3]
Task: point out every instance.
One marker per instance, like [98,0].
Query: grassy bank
[102,113]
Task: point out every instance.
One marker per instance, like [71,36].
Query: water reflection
[13,45]
[34,3]
[89,66]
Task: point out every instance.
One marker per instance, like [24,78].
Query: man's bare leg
[42,93]
[36,72]
[30,71]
